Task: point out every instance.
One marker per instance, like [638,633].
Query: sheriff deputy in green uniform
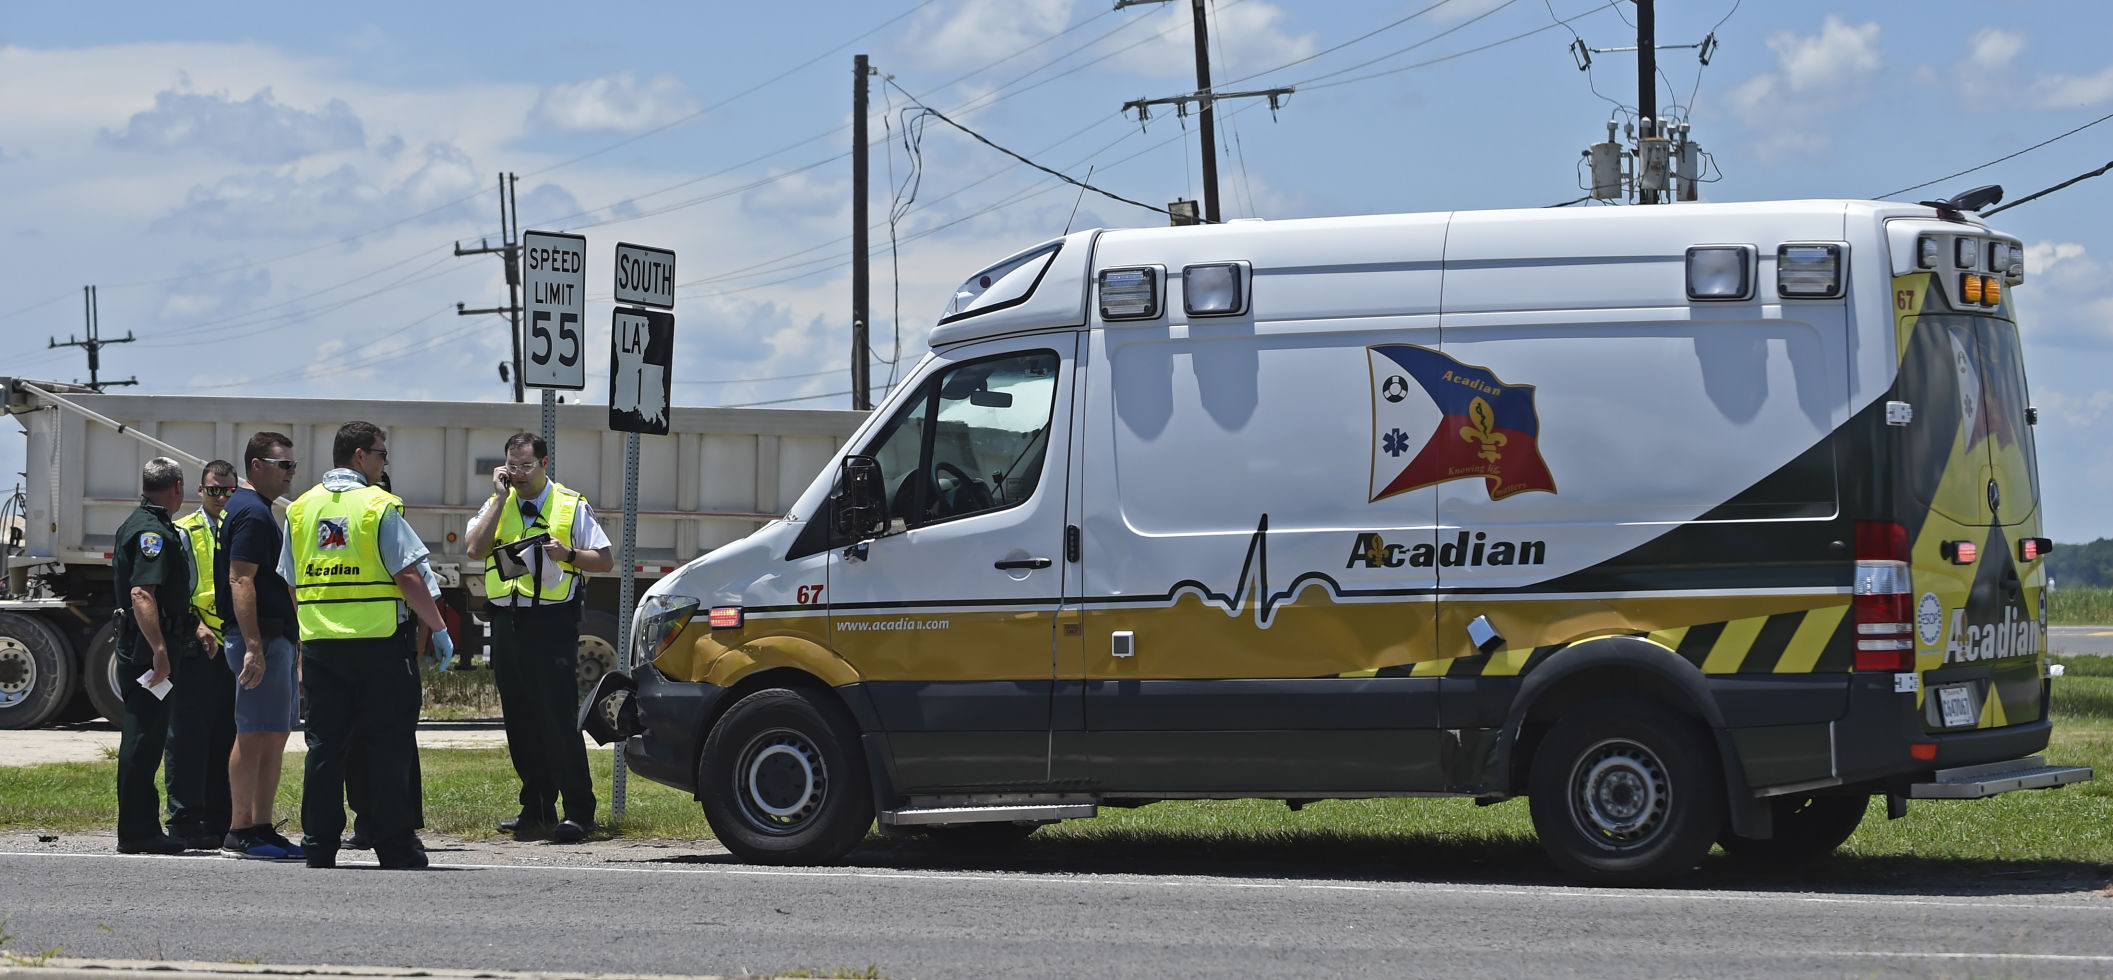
[153,576]
[535,633]
[202,707]
[355,568]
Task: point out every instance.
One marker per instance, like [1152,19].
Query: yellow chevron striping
[1992,713]
[1733,645]
[1374,672]
[1810,640]
[1507,663]
[1668,638]
[1431,668]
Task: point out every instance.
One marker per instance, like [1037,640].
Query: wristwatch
[572,556]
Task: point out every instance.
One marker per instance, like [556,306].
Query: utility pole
[1204,98]
[861,313]
[1646,89]
[94,344]
[509,250]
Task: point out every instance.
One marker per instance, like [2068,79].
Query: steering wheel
[968,496]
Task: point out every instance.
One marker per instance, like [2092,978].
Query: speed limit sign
[554,268]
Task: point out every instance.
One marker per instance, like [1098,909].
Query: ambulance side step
[1976,782]
[956,810]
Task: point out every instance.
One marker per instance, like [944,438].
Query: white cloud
[201,294]
[2073,91]
[1836,57]
[1245,39]
[1995,48]
[2082,412]
[2062,264]
[613,103]
[964,35]
[281,203]
[1814,74]
[258,129]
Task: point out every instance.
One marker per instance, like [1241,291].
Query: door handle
[1012,563]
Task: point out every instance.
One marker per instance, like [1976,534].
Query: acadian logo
[1372,551]
[318,569]
[2013,637]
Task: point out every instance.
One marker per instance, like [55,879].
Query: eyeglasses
[217,491]
[284,464]
[523,467]
[383,453]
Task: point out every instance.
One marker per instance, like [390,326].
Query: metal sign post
[641,351]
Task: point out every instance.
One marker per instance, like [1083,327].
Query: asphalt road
[1046,911]
[2093,640]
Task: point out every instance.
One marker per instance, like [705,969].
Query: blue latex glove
[442,650]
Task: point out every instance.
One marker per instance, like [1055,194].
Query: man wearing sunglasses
[202,707]
[258,603]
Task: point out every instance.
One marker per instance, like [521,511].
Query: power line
[1997,160]
[1444,58]
[980,138]
[1441,35]
[1331,50]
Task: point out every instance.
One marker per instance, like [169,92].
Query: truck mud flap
[1977,782]
[609,714]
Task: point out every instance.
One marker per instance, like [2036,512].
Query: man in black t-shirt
[262,646]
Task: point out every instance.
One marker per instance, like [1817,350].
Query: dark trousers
[356,771]
[363,692]
[201,735]
[535,659]
[139,752]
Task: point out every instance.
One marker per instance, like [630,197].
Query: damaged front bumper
[660,722]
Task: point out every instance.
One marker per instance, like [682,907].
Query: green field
[2079,607]
[2027,833]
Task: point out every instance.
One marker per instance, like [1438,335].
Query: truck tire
[37,675]
[783,779]
[1807,828]
[1623,793]
[101,678]
[598,652]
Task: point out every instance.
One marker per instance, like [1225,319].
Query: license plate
[1955,703]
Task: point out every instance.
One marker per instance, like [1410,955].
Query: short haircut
[260,446]
[530,439]
[351,438]
[220,468]
[160,474]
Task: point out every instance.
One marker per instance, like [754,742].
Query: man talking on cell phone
[535,632]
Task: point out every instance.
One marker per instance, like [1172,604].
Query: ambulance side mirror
[859,506]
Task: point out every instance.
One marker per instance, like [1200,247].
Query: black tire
[598,651]
[981,836]
[783,779]
[1807,828]
[101,678]
[1625,793]
[37,676]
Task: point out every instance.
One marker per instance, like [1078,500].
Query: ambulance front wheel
[1807,828]
[1624,792]
[783,779]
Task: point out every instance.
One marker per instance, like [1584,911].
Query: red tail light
[1885,622]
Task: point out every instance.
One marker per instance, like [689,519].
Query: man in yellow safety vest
[354,565]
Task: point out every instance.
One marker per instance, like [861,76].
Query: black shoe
[572,831]
[152,845]
[358,842]
[405,859]
[320,858]
[204,840]
[522,823]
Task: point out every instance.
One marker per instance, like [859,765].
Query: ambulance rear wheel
[101,679]
[1623,793]
[783,779]
[36,672]
[1806,828]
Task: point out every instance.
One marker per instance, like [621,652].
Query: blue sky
[266,195]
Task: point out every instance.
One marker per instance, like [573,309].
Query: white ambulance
[1694,524]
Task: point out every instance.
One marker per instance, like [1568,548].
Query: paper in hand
[160,690]
[514,557]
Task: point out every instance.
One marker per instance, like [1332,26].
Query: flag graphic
[1488,429]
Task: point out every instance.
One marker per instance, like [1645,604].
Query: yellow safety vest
[344,590]
[202,545]
[564,505]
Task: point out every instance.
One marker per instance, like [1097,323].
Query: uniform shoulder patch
[150,544]
[330,533]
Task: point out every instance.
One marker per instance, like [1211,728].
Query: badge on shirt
[330,533]
[150,544]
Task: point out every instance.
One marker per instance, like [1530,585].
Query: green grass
[2079,607]
[467,790]
[456,695]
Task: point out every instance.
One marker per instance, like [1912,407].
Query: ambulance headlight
[1927,252]
[1809,271]
[1130,294]
[1720,272]
[659,620]
[1218,289]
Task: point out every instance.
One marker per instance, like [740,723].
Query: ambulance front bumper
[660,721]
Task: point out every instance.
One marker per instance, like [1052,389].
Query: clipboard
[513,557]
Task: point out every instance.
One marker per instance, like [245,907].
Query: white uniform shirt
[587,535]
